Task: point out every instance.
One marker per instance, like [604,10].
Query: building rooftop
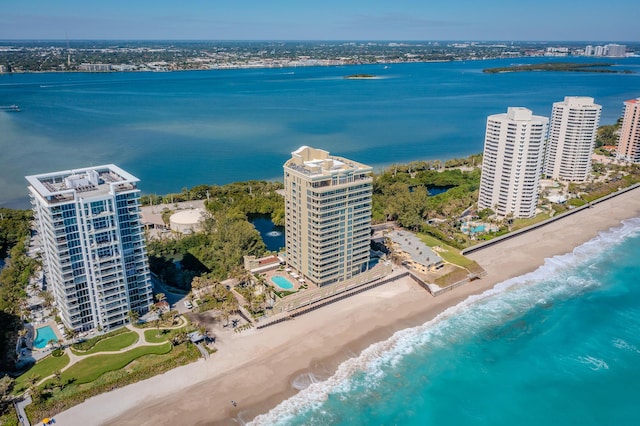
[65,185]
[318,162]
[414,247]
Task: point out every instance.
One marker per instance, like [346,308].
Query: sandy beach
[256,368]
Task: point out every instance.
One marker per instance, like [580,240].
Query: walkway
[74,358]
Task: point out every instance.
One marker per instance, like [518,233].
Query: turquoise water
[474,229]
[282,282]
[181,129]
[43,336]
[556,346]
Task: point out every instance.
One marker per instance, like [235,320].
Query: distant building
[512,162]
[572,134]
[611,50]
[328,215]
[94,253]
[629,142]
[3,69]
[616,50]
[94,67]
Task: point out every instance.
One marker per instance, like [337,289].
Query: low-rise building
[413,252]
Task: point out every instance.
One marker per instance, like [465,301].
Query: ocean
[557,346]
[180,129]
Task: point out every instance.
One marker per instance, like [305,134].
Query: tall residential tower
[629,143]
[94,253]
[572,136]
[513,156]
[328,215]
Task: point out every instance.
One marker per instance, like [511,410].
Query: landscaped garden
[56,386]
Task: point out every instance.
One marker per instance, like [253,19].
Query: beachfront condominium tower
[328,215]
[94,254]
[572,135]
[512,162]
[629,143]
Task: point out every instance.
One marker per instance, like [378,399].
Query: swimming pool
[282,282]
[43,336]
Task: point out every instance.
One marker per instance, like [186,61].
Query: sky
[512,20]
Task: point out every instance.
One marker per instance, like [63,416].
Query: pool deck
[289,276]
[31,353]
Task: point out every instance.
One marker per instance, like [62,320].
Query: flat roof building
[629,142]
[512,162]
[572,136]
[327,215]
[94,253]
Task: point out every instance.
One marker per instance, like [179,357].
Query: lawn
[145,366]
[524,222]
[110,344]
[42,369]
[93,367]
[448,253]
[153,336]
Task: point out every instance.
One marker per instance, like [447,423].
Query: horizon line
[321,40]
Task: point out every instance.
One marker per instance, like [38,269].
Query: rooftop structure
[328,215]
[94,254]
[187,221]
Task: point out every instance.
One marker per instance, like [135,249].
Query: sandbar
[256,368]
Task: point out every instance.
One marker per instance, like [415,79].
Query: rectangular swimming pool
[43,336]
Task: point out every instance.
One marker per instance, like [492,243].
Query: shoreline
[257,369]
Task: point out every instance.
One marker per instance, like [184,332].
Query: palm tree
[179,338]
[156,322]
[57,376]
[134,316]
[33,379]
[160,297]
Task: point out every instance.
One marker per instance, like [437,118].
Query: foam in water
[557,279]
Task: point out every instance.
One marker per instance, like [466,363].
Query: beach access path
[256,368]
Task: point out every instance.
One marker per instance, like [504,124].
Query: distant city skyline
[329,20]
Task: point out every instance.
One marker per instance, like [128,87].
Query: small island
[359,76]
[559,66]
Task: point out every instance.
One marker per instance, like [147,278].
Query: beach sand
[256,368]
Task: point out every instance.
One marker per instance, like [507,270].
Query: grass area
[452,277]
[523,223]
[91,368]
[86,345]
[448,253]
[169,319]
[153,336]
[42,369]
[141,368]
[110,344]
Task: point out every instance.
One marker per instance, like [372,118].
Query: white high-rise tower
[512,162]
[94,253]
[572,135]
